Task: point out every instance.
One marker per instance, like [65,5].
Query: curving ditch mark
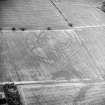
[81,95]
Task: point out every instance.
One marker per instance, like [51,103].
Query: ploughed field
[50,14]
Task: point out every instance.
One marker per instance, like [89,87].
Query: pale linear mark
[74,28]
[55,82]
[82,43]
[85,5]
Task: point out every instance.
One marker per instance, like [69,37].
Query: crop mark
[82,94]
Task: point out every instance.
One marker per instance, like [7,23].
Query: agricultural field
[60,45]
